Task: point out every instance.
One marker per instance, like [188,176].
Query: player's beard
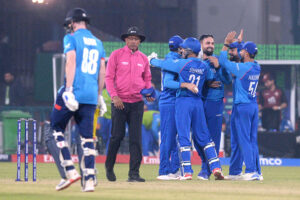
[209,51]
[242,59]
[234,58]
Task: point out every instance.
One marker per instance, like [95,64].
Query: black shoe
[110,175]
[135,178]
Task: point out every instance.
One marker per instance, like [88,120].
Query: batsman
[84,81]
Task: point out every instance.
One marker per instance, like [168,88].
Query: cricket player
[189,110]
[169,159]
[84,80]
[245,109]
[213,94]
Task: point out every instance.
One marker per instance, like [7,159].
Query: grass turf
[279,183]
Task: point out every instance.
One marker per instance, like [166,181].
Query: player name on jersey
[253,77]
[197,71]
[89,41]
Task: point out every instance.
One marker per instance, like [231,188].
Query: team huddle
[191,104]
[198,108]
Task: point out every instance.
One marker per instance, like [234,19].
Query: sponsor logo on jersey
[140,65]
[67,45]
[89,41]
[124,63]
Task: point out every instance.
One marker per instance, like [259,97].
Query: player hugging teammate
[199,108]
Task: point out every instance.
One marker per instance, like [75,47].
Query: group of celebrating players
[196,107]
[191,105]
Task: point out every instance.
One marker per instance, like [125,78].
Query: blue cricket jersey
[221,75]
[170,82]
[89,51]
[246,80]
[190,70]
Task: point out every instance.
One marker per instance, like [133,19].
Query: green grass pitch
[279,183]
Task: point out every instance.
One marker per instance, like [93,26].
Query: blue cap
[237,45]
[174,42]
[192,44]
[150,92]
[250,47]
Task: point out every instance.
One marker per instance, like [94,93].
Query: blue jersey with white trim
[190,70]
[170,82]
[89,51]
[246,80]
[221,75]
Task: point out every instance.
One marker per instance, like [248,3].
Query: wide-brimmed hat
[133,31]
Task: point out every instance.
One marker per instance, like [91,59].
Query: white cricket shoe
[163,178]
[254,176]
[62,184]
[186,176]
[234,177]
[261,178]
[89,186]
[175,176]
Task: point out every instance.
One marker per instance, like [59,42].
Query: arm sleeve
[238,69]
[169,81]
[110,75]
[169,64]
[69,43]
[147,74]
[225,76]
[103,54]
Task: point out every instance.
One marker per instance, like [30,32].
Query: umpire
[127,73]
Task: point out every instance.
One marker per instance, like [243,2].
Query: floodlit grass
[279,183]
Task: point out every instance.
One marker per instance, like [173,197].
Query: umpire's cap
[76,15]
[174,42]
[250,47]
[192,44]
[133,31]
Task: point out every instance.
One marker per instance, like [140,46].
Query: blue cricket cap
[237,45]
[150,92]
[250,47]
[192,44]
[174,42]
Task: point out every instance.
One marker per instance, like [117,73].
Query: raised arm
[169,64]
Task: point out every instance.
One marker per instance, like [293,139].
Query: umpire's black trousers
[133,115]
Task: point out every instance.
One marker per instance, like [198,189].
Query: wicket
[26,150]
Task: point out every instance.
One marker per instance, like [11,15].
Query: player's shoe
[234,177]
[163,178]
[73,177]
[186,176]
[62,184]
[203,176]
[254,176]
[89,186]
[175,176]
[217,172]
[261,178]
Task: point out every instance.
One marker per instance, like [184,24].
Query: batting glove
[69,100]
[151,56]
[102,105]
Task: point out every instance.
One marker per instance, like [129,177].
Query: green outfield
[280,183]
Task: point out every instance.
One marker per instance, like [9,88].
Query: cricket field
[279,183]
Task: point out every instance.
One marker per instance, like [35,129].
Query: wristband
[226,45]
[69,89]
